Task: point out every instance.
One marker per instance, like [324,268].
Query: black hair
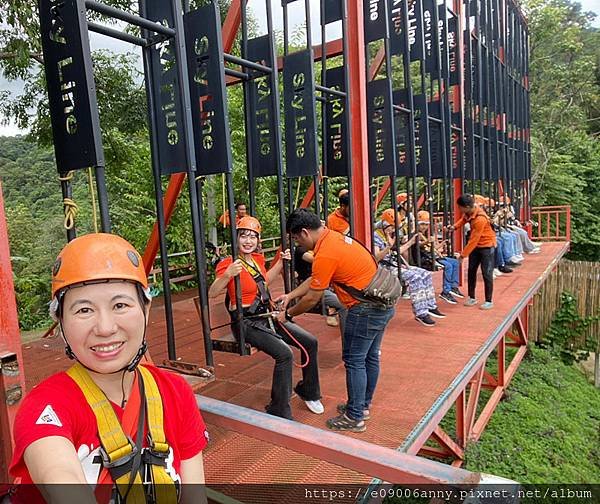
[344,199]
[401,208]
[301,218]
[466,201]
[239,203]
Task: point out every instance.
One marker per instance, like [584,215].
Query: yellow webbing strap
[113,439]
[164,487]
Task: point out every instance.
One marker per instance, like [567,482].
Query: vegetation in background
[546,429]
[564,72]
[565,99]
[566,335]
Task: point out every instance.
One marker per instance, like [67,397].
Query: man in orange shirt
[240,212]
[339,219]
[342,262]
[480,248]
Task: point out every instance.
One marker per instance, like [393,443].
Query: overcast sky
[296,18]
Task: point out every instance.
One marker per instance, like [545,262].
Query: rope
[67,177]
[71,209]
[223,196]
[93,196]
[298,193]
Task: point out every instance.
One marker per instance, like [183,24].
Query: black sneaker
[342,409]
[425,320]
[449,298]
[505,269]
[510,264]
[456,293]
[436,313]
[343,422]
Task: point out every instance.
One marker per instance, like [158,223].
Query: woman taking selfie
[131,431]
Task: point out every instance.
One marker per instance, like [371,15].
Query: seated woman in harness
[433,254]
[110,425]
[263,331]
[418,280]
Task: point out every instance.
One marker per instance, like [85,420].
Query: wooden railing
[551,223]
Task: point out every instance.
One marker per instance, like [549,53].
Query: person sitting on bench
[262,330]
[433,253]
[419,281]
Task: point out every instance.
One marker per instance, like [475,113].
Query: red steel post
[12,379]
[358,109]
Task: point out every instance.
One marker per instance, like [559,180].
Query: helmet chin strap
[129,367]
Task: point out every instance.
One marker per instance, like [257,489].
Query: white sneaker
[315,406]
[497,272]
[515,259]
[535,251]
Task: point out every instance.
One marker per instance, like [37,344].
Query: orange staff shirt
[482,234]
[337,222]
[339,258]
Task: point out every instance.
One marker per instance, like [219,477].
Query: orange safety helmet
[97,256]
[388,216]
[423,216]
[401,197]
[250,223]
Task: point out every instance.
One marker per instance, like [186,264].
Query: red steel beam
[367,458]
[446,442]
[11,355]
[228,33]
[358,110]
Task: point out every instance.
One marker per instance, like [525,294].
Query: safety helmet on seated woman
[250,223]
[98,258]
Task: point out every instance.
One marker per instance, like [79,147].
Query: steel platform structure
[426,373]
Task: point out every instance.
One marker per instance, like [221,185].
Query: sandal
[342,409]
[343,422]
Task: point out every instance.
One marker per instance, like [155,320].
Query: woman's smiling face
[104,324]
[248,241]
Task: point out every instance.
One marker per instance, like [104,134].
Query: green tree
[565,97]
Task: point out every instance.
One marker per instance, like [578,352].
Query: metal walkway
[425,371]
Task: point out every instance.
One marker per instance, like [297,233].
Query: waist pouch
[384,289]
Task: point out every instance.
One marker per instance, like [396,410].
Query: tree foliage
[565,110]
[565,98]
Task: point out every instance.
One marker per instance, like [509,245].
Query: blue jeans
[517,240]
[365,325]
[527,244]
[500,260]
[509,247]
[450,265]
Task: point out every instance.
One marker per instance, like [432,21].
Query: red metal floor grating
[418,364]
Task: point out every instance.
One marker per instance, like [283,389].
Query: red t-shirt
[57,407]
[247,283]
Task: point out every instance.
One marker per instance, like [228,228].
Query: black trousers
[484,256]
[277,344]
